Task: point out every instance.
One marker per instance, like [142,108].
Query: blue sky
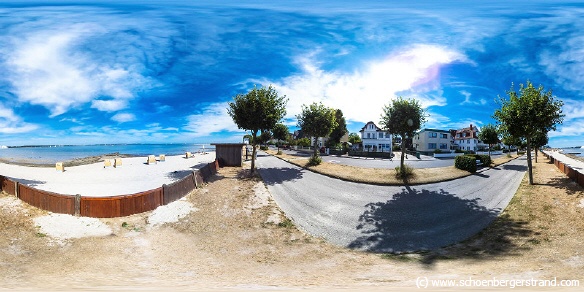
[85,72]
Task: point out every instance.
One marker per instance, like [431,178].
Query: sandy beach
[95,180]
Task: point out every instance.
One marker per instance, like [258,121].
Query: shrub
[485,159]
[520,153]
[458,151]
[466,162]
[279,152]
[407,172]
[264,148]
[437,151]
[314,160]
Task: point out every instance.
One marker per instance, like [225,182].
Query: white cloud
[571,129]
[10,123]
[109,105]
[573,109]
[123,117]
[69,59]
[411,72]
[212,119]
[467,99]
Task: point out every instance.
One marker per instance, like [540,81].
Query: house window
[380,135]
[467,141]
[368,135]
[433,135]
[444,136]
[443,146]
[431,145]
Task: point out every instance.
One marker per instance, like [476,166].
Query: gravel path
[386,218]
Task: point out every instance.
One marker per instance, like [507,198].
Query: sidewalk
[571,162]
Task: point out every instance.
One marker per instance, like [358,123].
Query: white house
[375,139]
[468,139]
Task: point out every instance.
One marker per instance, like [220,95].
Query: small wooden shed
[229,154]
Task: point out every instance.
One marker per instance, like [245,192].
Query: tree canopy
[340,130]
[280,132]
[257,110]
[316,120]
[403,117]
[354,138]
[528,112]
[489,135]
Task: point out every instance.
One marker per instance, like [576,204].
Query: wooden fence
[113,206]
[573,174]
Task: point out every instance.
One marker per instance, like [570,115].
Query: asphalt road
[390,218]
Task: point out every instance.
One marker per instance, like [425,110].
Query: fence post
[16,189]
[77,205]
[195,179]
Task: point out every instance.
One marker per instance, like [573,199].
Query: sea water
[48,154]
[578,151]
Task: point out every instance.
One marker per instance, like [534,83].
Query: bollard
[77,205]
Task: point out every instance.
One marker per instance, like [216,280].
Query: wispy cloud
[123,117]
[213,118]
[361,94]
[10,123]
[64,62]
[468,100]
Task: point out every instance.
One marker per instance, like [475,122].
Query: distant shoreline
[68,163]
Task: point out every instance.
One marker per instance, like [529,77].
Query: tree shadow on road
[419,220]
[278,175]
[514,167]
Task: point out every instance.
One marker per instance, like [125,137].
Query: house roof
[433,130]
[378,129]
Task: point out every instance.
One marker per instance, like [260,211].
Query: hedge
[466,162]
[370,154]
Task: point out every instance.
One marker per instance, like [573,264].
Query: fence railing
[573,174]
[112,206]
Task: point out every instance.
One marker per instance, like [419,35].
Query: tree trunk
[315,147]
[253,152]
[535,155]
[402,169]
[489,150]
[529,164]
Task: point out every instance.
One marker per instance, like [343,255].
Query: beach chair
[59,166]
[188,155]
[151,159]
[117,162]
[107,163]
[162,158]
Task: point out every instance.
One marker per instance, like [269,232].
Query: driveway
[390,218]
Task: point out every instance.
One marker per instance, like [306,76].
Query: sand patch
[172,212]
[62,227]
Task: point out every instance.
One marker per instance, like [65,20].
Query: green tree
[304,142]
[280,132]
[248,137]
[339,131]
[316,120]
[539,140]
[489,135]
[404,117]
[527,112]
[354,138]
[265,137]
[257,110]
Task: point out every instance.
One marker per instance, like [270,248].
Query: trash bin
[418,154]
